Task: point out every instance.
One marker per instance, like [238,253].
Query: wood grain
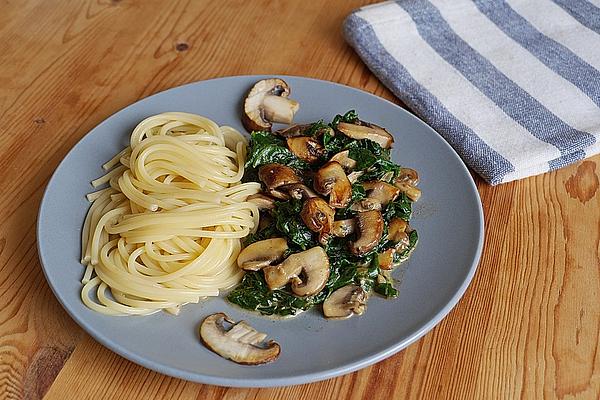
[527,327]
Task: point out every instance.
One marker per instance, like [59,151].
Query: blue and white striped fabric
[513,86]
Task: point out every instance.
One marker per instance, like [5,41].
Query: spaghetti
[166,231]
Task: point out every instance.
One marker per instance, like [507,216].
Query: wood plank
[527,327]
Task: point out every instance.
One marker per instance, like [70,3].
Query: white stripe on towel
[471,107]
[521,66]
[558,25]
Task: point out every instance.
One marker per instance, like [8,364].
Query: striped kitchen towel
[513,86]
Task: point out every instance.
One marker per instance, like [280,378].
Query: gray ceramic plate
[448,217]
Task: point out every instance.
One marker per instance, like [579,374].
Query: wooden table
[527,327]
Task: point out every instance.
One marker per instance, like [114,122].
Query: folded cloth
[513,86]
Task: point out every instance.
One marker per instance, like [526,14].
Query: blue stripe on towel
[554,55]
[566,160]
[583,11]
[476,153]
[506,94]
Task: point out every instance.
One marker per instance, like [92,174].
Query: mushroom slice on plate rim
[268,102]
[242,343]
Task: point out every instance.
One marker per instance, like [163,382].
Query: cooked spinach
[335,143]
[413,239]
[386,289]
[399,208]
[350,117]
[254,294]
[345,267]
[267,148]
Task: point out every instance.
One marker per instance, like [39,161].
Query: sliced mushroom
[268,102]
[332,180]
[345,302]
[365,130]
[413,193]
[367,204]
[241,343]
[306,148]
[318,217]
[396,229]
[353,176]
[381,191]
[386,259]
[344,159]
[260,254]
[408,175]
[276,175]
[299,191]
[263,202]
[397,234]
[311,264]
[277,194]
[370,228]
[343,227]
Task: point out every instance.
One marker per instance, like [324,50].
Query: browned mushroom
[367,204]
[344,159]
[275,176]
[306,148]
[413,192]
[370,228]
[311,264]
[268,102]
[299,191]
[408,175]
[397,234]
[365,130]
[260,254]
[318,217]
[381,191]
[345,302]
[332,180]
[241,343]
[343,227]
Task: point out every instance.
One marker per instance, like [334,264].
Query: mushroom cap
[241,344]
[306,148]
[365,130]
[318,217]
[370,228]
[345,302]
[260,254]
[276,175]
[313,263]
[331,180]
[265,101]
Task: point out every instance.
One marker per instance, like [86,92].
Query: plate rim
[268,381]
